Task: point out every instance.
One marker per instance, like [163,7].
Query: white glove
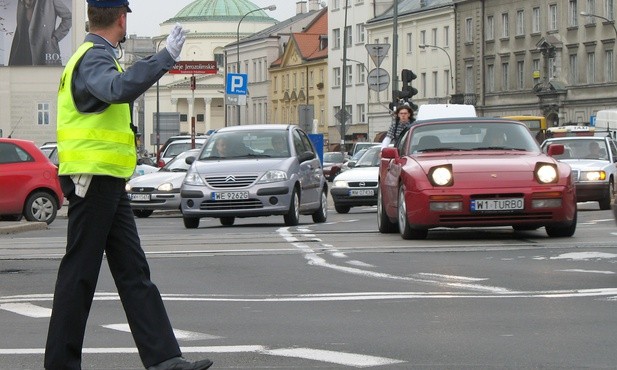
[82,183]
[175,40]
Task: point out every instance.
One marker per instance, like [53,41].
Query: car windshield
[472,136]
[370,158]
[585,148]
[176,148]
[333,157]
[247,144]
[178,164]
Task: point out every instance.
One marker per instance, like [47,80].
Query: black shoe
[179,363]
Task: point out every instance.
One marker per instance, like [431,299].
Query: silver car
[159,190]
[252,171]
[592,159]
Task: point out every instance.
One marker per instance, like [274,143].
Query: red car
[473,172]
[29,183]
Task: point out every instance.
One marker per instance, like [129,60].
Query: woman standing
[404,120]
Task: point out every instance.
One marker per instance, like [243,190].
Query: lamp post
[271,8]
[423,46]
[158,117]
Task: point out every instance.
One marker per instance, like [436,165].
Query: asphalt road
[340,295]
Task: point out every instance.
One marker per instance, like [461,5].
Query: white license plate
[140,197]
[361,192]
[231,195]
[492,205]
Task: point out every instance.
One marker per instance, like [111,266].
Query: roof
[221,10]
[308,42]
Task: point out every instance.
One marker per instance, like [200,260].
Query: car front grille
[230,181]
[222,205]
[363,184]
[576,174]
[139,189]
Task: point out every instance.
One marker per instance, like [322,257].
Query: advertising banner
[35,32]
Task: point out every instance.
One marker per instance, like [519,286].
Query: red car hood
[473,170]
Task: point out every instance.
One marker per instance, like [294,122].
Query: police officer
[96,147]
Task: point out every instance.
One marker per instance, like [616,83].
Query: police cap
[109,4]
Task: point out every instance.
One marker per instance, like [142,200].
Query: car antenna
[14,128]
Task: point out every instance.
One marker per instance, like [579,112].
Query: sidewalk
[12,227]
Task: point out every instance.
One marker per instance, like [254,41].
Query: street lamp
[423,46]
[271,8]
[158,114]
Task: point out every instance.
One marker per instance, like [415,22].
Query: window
[573,13]
[535,70]
[591,9]
[43,113]
[409,42]
[520,23]
[423,84]
[446,76]
[469,80]
[348,75]
[490,78]
[535,20]
[350,114]
[490,28]
[360,32]
[275,83]
[360,76]
[219,58]
[434,36]
[608,66]
[295,81]
[552,68]
[337,76]
[435,84]
[336,36]
[505,24]
[609,9]
[422,37]
[349,36]
[505,81]
[336,4]
[520,75]
[591,67]
[468,30]
[446,36]
[573,69]
[302,80]
[552,14]
[311,79]
[361,116]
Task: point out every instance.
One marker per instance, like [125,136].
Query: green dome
[221,10]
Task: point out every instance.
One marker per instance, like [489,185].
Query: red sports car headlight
[441,175]
[546,173]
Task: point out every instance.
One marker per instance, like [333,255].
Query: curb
[19,226]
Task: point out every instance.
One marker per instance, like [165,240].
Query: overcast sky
[148,14]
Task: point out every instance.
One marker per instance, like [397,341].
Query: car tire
[608,196]
[562,231]
[292,218]
[403,222]
[341,209]
[321,215]
[227,221]
[142,213]
[384,224]
[191,222]
[41,206]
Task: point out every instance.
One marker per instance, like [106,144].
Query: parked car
[176,138]
[29,185]
[176,147]
[595,173]
[446,173]
[361,145]
[358,186]
[159,190]
[255,177]
[50,149]
[332,164]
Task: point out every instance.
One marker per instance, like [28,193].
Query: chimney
[301,7]
[313,5]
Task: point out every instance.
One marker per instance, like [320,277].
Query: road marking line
[450,277]
[26,309]
[584,256]
[341,358]
[590,271]
[180,334]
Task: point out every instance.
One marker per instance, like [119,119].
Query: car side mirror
[351,164]
[392,153]
[189,160]
[306,156]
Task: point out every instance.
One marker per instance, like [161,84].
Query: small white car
[358,185]
[595,173]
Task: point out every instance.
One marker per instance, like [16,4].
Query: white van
[606,121]
[434,111]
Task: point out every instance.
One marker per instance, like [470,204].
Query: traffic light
[407,91]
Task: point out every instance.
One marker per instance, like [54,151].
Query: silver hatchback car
[252,171]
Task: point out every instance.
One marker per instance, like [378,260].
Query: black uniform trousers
[103,222]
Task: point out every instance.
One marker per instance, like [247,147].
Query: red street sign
[197,68]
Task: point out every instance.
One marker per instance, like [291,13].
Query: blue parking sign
[236,83]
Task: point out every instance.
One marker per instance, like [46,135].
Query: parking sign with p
[236,83]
